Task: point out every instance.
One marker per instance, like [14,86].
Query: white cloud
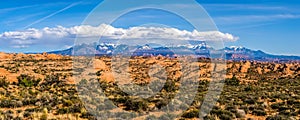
[59,34]
[23,35]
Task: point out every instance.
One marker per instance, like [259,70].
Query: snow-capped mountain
[144,50]
[105,48]
[243,53]
[235,48]
[201,46]
[201,50]
[145,47]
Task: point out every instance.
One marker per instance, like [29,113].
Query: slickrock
[100,65]
[245,67]
[259,70]
[39,65]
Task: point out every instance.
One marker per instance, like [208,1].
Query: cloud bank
[65,36]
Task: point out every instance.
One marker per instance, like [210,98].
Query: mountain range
[200,49]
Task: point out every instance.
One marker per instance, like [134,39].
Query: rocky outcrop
[42,64]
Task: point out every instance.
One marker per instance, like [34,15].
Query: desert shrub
[19,111]
[136,105]
[277,117]
[273,100]
[63,111]
[250,101]
[276,105]
[80,70]
[167,116]
[121,99]
[283,108]
[225,117]
[231,108]
[294,113]
[245,108]
[109,105]
[3,82]
[6,104]
[161,103]
[248,88]
[259,112]
[10,112]
[75,109]
[285,112]
[125,115]
[183,106]
[29,101]
[191,114]
[240,114]
[51,79]
[251,107]
[30,109]
[27,114]
[18,118]
[88,116]
[83,82]
[223,114]
[293,102]
[67,103]
[45,114]
[209,117]
[6,116]
[170,86]
[232,82]
[98,73]
[27,81]
[151,117]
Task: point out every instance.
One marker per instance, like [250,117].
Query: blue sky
[268,25]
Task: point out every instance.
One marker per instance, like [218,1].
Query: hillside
[202,50]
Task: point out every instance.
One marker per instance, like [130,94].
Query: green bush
[27,81]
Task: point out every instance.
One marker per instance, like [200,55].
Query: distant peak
[236,47]
[107,44]
[145,47]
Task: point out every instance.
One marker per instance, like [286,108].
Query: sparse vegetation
[47,92]
[3,82]
[27,81]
